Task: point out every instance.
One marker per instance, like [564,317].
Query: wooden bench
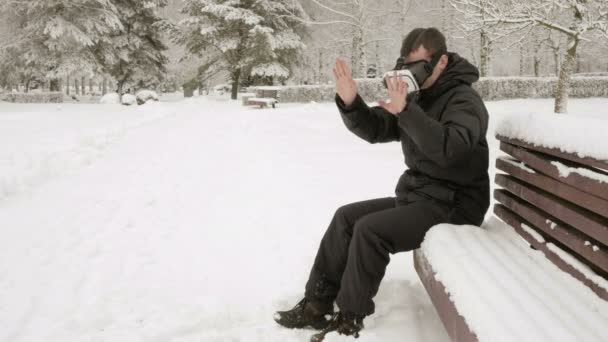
[265,96]
[558,203]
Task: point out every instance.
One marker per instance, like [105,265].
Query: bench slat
[557,230]
[515,221]
[583,220]
[602,164]
[543,164]
[453,322]
[561,190]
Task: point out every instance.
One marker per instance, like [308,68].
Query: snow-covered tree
[134,54]
[578,20]
[48,38]
[361,21]
[251,37]
[474,28]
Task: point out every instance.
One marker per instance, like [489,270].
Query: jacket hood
[458,71]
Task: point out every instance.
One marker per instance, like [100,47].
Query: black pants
[355,250]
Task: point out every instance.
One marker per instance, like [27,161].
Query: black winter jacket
[443,137]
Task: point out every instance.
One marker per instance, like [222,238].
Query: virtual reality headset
[414,74]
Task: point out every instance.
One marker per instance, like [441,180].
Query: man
[442,130]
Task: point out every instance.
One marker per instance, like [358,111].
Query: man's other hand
[345,85]
[397,91]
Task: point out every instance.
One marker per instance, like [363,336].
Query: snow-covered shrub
[34,97]
[111,98]
[145,96]
[490,88]
[498,88]
[129,100]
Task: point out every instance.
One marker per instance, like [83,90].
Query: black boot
[344,323]
[306,314]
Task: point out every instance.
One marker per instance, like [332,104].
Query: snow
[111,98]
[263,99]
[274,69]
[527,294]
[565,171]
[196,220]
[41,142]
[129,100]
[533,233]
[579,266]
[553,224]
[517,163]
[583,135]
[144,96]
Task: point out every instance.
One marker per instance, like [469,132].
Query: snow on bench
[488,284]
[584,136]
[499,289]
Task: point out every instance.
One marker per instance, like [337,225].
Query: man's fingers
[338,69]
[344,69]
[347,69]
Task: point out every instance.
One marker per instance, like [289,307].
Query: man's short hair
[431,38]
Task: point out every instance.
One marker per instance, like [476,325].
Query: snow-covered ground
[191,220]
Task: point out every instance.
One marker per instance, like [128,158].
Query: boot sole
[314,326]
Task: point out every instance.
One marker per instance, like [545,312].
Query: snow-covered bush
[499,88]
[33,97]
[129,100]
[111,98]
[490,88]
[145,96]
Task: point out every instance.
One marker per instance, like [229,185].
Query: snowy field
[190,221]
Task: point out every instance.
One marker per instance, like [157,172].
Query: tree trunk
[83,86]
[91,85]
[235,83]
[379,66]
[27,86]
[358,56]
[563,82]
[320,71]
[521,60]
[484,54]
[556,61]
[54,85]
[537,66]
[77,86]
[67,86]
[119,88]
[104,89]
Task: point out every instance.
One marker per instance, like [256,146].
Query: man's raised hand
[345,85]
[397,91]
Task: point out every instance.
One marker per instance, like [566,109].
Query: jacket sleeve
[374,125]
[451,139]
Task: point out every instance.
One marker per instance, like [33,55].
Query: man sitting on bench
[442,129]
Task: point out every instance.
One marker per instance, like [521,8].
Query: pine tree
[250,37]
[49,38]
[134,54]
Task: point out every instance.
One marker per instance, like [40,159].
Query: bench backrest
[558,202]
[267,93]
